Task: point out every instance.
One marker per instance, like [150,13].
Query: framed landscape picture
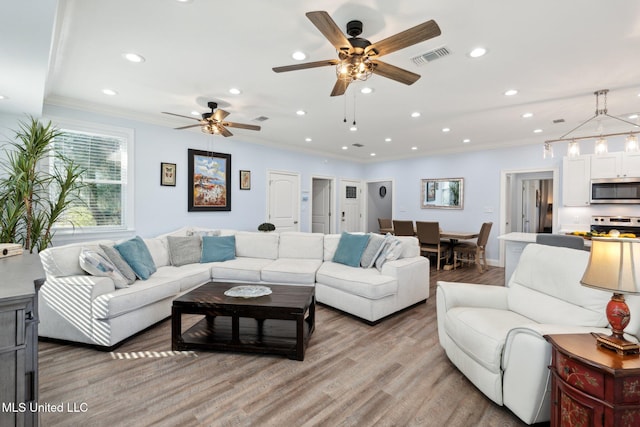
[168,174]
[209,181]
[245,180]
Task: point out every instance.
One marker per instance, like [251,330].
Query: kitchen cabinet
[576,180]
[615,165]
[19,339]
[592,386]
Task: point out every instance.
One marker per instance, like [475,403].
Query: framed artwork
[442,193]
[168,174]
[245,180]
[209,181]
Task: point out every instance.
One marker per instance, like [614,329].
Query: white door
[283,200]
[350,206]
[321,206]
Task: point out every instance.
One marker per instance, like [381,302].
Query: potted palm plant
[28,211]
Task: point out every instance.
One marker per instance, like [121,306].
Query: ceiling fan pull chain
[345,109]
[354,108]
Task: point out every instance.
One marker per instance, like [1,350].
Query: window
[103,153]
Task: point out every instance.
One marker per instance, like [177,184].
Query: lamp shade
[614,265]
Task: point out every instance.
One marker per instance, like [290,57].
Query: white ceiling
[555,53]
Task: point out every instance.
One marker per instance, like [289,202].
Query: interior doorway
[322,205]
[528,202]
[379,203]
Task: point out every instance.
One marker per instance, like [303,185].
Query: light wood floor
[391,374]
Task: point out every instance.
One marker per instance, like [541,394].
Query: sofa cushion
[143,293]
[373,249]
[189,276]
[159,250]
[481,332]
[350,249]
[300,245]
[184,249]
[241,269]
[257,245]
[98,265]
[289,270]
[136,254]
[367,283]
[330,245]
[218,248]
[123,267]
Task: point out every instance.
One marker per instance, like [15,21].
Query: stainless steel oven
[624,224]
[615,190]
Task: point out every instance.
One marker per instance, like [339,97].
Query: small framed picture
[245,180]
[168,174]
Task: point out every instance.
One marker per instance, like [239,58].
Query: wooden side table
[592,386]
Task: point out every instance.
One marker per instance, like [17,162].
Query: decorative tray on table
[248,291]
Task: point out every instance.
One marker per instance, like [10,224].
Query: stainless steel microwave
[615,190]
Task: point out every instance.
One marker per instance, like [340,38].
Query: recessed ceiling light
[414,148]
[537,131]
[301,112]
[299,55]
[466,141]
[387,140]
[372,154]
[633,116]
[366,90]
[344,147]
[133,57]
[195,113]
[308,139]
[235,91]
[478,52]
[415,114]
[511,92]
[445,130]
[109,92]
[527,115]
[353,128]
[4,97]
[184,1]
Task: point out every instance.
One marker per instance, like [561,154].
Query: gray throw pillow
[98,265]
[371,252]
[391,251]
[116,259]
[184,249]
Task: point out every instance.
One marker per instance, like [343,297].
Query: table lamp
[614,265]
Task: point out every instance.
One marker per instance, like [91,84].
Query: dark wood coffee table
[280,323]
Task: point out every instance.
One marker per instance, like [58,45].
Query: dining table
[454,237]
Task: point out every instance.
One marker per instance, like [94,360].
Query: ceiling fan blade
[187,127]
[329,29]
[240,125]
[340,87]
[306,65]
[395,73]
[417,34]
[224,131]
[180,115]
[219,114]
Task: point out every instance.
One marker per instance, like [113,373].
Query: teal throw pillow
[218,248]
[350,249]
[137,255]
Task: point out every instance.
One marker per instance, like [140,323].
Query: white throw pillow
[97,265]
[391,251]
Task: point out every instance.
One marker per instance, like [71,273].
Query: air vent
[261,119]
[558,121]
[357,144]
[432,55]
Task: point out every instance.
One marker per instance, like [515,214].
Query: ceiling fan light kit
[358,57]
[212,122]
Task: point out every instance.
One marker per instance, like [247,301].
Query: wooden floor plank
[392,374]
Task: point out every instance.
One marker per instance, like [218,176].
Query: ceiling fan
[212,122]
[357,57]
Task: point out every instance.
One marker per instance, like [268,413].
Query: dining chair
[403,228]
[473,251]
[430,243]
[574,242]
[385,225]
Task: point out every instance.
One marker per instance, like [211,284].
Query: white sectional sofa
[84,308]
[494,334]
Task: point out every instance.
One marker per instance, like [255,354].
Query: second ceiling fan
[357,57]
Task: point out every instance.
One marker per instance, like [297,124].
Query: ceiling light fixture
[301,112]
[511,92]
[573,150]
[195,113]
[4,97]
[537,131]
[372,154]
[466,141]
[109,92]
[387,140]
[445,130]
[478,52]
[344,147]
[308,139]
[527,115]
[354,68]
[353,128]
[632,116]
[299,55]
[631,144]
[133,57]
[415,114]
[601,142]
[414,148]
[547,151]
[366,90]
[235,91]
